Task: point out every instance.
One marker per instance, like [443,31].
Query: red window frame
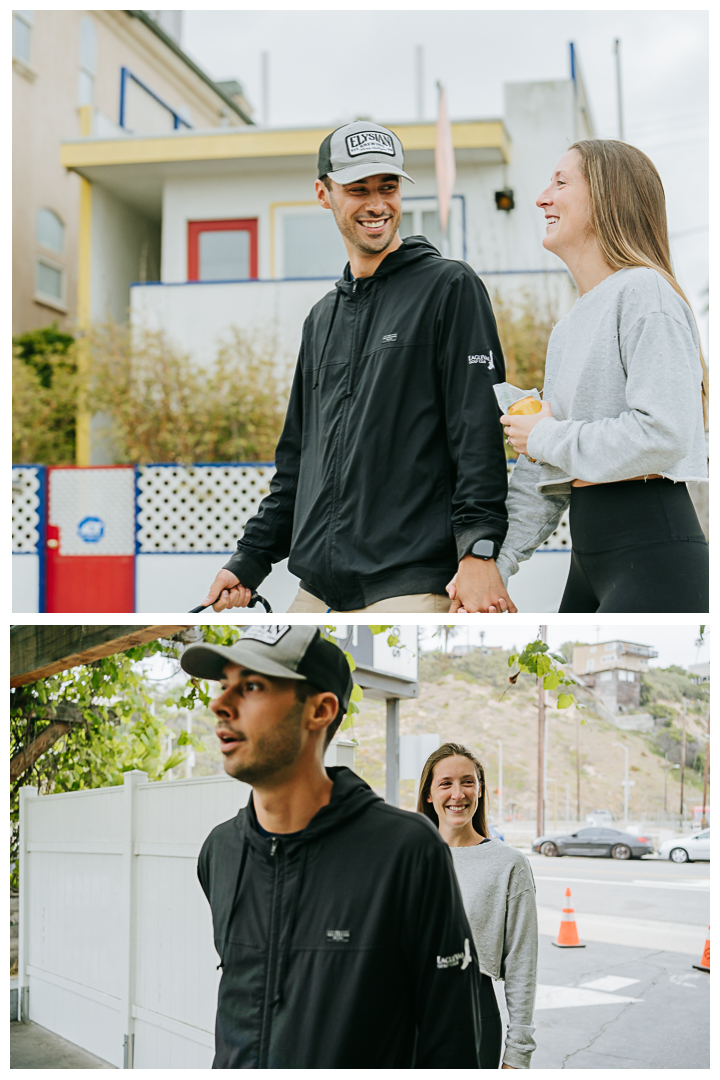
[249,225]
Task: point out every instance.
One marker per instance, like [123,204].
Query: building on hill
[613,670]
[114,75]
[700,673]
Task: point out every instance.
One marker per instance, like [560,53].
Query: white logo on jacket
[481,358]
[458,959]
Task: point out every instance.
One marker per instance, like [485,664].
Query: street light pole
[577,763]
[682,761]
[500,782]
[668,768]
[626,785]
[705,779]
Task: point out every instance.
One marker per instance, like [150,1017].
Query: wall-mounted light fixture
[505,199]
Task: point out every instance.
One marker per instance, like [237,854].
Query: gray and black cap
[283,652]
[358,150]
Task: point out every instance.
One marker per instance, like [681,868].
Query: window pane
[431,227]
[224,255]
[312,246]
[50,231]
[21,39]
[407,225]
[86,88]
[48,280]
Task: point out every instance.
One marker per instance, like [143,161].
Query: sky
[674,644]
[328,67]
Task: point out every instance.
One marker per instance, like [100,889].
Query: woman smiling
[498,891]
[622,427]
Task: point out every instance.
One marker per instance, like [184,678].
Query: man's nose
[222,706]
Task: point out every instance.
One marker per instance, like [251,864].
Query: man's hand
[518,428]
[477,586]
[508,1066]
[227,592]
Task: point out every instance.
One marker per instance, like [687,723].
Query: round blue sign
[91,529]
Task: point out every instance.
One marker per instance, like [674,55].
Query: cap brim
[371,168]
[209,661]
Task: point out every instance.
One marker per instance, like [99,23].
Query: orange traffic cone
[704,964]
[568,935]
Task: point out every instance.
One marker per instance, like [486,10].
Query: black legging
[637,545]
[491,1034]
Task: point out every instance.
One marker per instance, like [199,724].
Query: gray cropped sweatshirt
[623,378]
[498,892]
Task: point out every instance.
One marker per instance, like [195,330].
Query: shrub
[44,401]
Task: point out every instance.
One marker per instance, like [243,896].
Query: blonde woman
[622,428]
[498,892]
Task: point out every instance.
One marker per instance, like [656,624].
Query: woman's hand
[478,586]
[518,428]
[508,1066]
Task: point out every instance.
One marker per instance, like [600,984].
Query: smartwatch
[483,549]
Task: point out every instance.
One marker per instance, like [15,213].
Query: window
[310,243]
[49,281]
[88,62]
[605,676]
[421,218]
[22,33]
[50,231]
[222,250]
[591,665]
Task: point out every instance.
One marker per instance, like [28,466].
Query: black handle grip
[254,599]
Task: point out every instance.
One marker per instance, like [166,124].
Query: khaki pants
[417,602]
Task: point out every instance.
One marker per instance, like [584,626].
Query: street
[630,998]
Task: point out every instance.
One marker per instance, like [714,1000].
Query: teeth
[374,224]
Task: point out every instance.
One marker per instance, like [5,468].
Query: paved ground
[33,1047]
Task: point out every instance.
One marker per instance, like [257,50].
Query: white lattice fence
[26,509]
[197,509]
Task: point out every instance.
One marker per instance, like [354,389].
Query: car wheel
[621,851]
[549,849]
[679,855]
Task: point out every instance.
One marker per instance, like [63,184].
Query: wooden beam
[36,652]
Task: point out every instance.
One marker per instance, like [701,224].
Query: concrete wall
[125,248]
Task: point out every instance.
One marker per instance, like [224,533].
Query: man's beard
[348,229]
[274,750]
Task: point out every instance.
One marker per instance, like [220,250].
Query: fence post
[128,928]
[23,1006]
[392,752]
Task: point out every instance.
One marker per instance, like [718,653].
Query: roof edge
[167,40]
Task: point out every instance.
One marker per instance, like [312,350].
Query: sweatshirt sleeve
[662,393]
[533,516]
[267,535]
[471,362]
[443,966]
[519,967]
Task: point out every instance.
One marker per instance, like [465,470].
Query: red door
[90,541]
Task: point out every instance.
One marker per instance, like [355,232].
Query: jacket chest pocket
[331,378]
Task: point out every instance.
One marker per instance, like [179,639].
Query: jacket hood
[350,796]
[413,249]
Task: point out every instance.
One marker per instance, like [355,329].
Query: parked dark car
[601,843]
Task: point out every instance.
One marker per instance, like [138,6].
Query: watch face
[484,549]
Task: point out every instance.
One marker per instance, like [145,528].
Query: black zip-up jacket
[345,946]
[391,462]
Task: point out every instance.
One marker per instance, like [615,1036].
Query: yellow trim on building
[83,417]
[248,143]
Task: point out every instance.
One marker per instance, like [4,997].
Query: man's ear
[323,195]
[325,708]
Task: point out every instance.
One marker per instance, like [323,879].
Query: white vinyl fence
[116,948]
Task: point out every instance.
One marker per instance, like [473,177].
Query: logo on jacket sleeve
[337,935]
[458,959]
[482,358]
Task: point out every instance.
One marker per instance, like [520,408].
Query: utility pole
[500,782]
[621,125]
[705,780]
[626,785]
[541,749]
[265,87]
[567,806]
[668,768]
[419,82]
[682,761]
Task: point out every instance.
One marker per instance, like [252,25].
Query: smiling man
[390,471]
[338,920]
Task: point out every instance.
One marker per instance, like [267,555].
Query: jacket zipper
[266,1019]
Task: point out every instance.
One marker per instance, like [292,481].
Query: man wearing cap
[338,920]
[390,472]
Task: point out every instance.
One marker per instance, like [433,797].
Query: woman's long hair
[627,213]
[450,749]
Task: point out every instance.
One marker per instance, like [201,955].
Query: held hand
[518,428]
[227,592]
[508,1066]
[477,586]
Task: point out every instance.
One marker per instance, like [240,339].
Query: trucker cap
[358,150]
[285,652]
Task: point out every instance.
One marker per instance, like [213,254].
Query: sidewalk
[34,1047]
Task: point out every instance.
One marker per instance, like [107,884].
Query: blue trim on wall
[573,74]
[125,74]
[275,281]
[42,540]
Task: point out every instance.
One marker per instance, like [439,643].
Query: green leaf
[393,640]
[512,658]
[564,701]
[351,661]
[357,693]
[551,680]
[379,629]
[537,647]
